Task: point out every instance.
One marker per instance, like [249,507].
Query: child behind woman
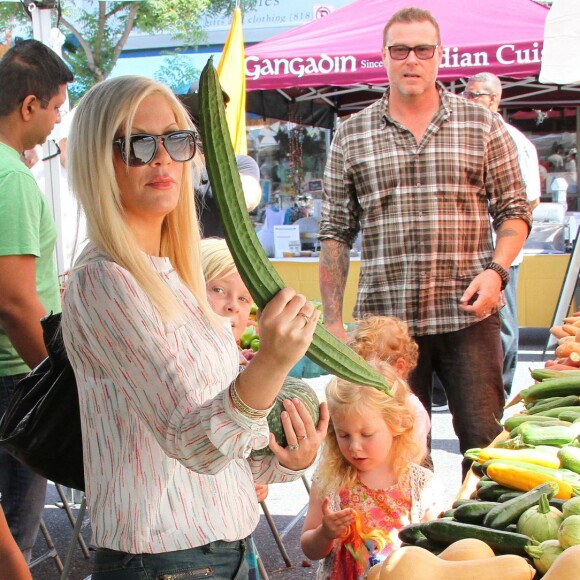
[387,339]
[369,469]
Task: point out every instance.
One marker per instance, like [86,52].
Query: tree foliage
[97,31]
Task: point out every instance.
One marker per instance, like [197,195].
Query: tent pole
[577,146]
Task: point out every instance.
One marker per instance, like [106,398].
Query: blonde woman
[167,421]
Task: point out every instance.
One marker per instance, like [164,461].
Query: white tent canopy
[561,54]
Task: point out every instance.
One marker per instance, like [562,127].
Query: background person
[207,211]
[420,172]
[228,296]
[34,81]
[168,421]
[369,463]
[485,89]
[387,339]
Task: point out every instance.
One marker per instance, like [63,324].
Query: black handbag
[42,425]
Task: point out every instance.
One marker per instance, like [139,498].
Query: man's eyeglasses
[61,111]
[470,95]
[52,155]
[422,51]
[140,149]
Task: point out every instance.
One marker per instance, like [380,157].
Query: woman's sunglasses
[142,147]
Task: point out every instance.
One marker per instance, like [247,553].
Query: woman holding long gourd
[168,424]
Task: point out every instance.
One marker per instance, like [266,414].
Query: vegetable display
[255,269]
[529,486]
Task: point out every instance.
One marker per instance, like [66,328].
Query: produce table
[539,284]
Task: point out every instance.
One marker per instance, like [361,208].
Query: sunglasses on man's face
[141,148]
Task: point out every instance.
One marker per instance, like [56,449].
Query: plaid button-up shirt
[424,208]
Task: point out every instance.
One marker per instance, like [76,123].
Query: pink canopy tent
[500,36]
[335,61]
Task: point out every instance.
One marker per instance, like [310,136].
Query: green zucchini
[569,457]
[483,481]
[512,528]
[255,269]
[512,422]
[536,434]
[410,533]
[540,402]
[491,492]
[570,416]
[446,532]
[473,512]
[543,374]
[476,468]
[553,403]
[463,501]
[559,387]
[557,411]
[447,513]
[509,495]
[509,512]
[553,423]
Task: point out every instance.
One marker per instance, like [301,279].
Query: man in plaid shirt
[420,172]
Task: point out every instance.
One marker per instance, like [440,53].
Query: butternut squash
[412,563]
[467,549]
[565,567]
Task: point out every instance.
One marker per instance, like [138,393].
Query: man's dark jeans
[23,491]
[469,363]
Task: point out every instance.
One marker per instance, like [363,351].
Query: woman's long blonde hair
[334,472]
[103,114]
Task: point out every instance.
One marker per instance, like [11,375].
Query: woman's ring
[305,316]
[301,438]
[292,447]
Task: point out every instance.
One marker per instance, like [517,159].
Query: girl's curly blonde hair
[385,338]
[334,472]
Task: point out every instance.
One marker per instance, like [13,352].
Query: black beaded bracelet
[503,273]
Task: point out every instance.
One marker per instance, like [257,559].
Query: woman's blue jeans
[220,560]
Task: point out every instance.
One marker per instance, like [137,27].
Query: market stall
[333,64]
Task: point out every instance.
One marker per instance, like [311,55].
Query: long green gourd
[256,271]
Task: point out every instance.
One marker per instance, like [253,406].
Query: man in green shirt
[34,80]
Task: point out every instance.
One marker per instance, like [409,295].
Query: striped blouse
[165,451]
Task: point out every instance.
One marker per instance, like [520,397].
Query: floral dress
[380,509]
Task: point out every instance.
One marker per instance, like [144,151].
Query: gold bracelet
[242,407]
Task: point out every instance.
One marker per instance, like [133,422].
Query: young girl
[368,483]
[387,338]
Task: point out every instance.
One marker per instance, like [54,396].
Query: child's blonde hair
[334,471]
[385,338]
[216,259]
